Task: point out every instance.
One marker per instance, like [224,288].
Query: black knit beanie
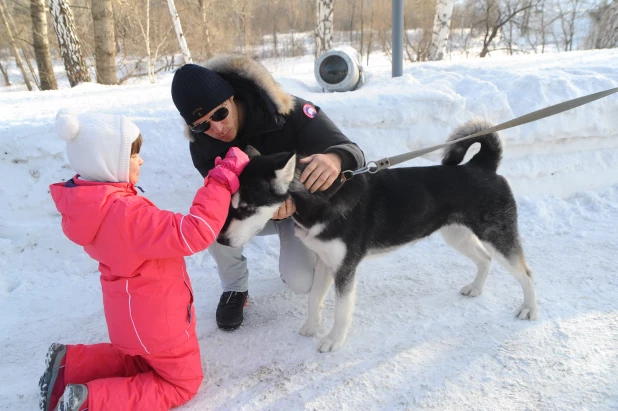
[197,90]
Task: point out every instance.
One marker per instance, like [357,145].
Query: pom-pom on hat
[98,145]
[197,90]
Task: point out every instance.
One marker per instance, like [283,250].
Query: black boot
[53,361]
[229,310]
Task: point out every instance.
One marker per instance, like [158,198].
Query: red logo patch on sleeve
[309,110]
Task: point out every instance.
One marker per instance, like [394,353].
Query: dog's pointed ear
[284,173]
[251,152]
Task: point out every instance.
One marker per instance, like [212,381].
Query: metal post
[397,38]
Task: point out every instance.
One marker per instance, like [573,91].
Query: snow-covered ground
[415,343]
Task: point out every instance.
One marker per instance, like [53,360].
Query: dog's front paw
[330,343]
[309,329]
[471,290]
[526,312]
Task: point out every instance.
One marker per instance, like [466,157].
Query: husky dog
[471,206]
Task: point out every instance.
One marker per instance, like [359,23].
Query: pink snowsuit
[153,361]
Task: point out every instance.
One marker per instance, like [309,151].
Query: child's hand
[226,171]
[235,160]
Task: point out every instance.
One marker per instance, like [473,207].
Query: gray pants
[296,261]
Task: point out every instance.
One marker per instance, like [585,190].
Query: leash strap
[386,162]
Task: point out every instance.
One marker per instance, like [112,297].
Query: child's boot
[53,366]
[74,398]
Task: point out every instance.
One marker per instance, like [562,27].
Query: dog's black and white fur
[471,206]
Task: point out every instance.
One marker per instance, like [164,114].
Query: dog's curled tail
[491,146]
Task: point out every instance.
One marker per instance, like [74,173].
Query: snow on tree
[608,26]
[441,29]
[69,44]
[324,28]
[182,41]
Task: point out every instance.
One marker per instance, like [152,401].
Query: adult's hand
[322,170]
[287,209]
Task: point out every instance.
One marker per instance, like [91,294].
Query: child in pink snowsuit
[153,361]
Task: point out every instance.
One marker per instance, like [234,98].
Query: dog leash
[373,167]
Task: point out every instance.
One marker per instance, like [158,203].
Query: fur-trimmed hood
[251,70]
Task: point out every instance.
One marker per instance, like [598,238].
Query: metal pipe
[397,38]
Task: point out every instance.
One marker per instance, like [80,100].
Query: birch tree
[143,25]
[69,44]
[205,9]
[146,35]
[7,81]
[324,28]
[607,26]
[40,42]
[18,60]
[182,41]
[441,29]
[610,39]
[104,41]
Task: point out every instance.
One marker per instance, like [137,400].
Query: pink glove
[235,160]
[226,171]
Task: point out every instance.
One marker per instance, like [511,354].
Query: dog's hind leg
[322,281]
[462,239]
[345,287]
[516,265]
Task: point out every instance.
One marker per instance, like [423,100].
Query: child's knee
[186,391]
[191,390]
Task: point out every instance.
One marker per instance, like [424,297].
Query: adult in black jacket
[234,101]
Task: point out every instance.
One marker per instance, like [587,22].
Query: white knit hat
[98,145]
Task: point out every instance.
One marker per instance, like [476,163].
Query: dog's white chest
[331,252]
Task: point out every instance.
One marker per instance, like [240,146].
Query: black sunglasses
[219,115]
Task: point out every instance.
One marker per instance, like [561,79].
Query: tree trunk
[609,27]
[324,28]
[18,59]
[441,29]
[362,28]
[487,41]
[525,24]
[369,41]
[104,41]
[245,25]
[27,57]
[275,45]
[151,69]
[41,45]
[7,81]
[543,28]
[206,38]
[351,33]
[69,44]
[203,8]
[182,41]
[509,40]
